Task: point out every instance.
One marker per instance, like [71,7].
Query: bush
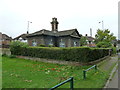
[41,45]
[17,46]
[4,54]
[50,45]
[77,54]
[104,44]
[114,50]
[12,56]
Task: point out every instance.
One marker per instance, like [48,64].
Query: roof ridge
[67,30]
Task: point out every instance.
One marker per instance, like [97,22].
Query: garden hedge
[68,54]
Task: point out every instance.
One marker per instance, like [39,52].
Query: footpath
[111,65]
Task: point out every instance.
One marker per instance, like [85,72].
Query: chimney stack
[54,24]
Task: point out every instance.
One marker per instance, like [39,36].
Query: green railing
[68,80]
[84,72]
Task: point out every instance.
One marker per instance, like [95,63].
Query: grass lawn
[21,73]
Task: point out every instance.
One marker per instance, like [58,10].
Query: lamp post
[28,27]
[102,25]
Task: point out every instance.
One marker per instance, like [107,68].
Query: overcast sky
[80,14]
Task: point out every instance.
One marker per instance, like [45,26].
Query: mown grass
[21,73]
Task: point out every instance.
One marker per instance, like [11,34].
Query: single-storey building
[66,38]
[21,38]
[90,41]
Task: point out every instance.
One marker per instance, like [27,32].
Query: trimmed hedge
[68,54]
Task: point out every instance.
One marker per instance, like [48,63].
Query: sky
[71,14]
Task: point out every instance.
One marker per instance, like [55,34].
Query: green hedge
[68,54]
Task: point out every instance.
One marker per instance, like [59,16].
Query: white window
[34,43]
[75,44]
[87,41]
[51,42]
[62,44]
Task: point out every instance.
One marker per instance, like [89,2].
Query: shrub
[17,46]
[50,45]
[104,44]
[114,50]
[41,45]
[77,54]
[12,56]
[4,54]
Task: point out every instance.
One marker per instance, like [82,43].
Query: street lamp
[28,27]
[102,25]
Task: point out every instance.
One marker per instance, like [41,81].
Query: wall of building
[49,40]
[69,41]
[38,39]
[63,41]
[75,42]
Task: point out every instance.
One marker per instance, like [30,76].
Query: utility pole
[102,25]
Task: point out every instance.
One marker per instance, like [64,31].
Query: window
[51,42]
[62,44]
[34,43]
[87,41]
[75,44]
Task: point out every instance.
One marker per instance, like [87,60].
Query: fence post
[71,84]
[84,74]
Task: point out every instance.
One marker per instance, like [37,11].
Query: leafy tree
[104,36]
[83,41]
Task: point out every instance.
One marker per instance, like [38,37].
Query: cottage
[4,40]
[21,38]
[66,38]
[90,41]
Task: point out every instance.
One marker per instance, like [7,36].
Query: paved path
[114,82]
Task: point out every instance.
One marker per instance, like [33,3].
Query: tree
[83,41]
[104,36]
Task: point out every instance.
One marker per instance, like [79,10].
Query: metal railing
[84,72]
[68,80]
